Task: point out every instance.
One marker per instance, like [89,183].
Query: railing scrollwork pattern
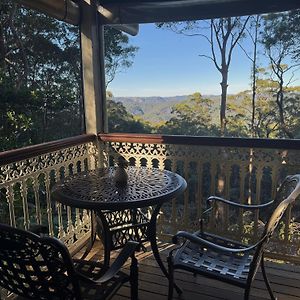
[246,175]
[25,189]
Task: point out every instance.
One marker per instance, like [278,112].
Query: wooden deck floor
[285,280]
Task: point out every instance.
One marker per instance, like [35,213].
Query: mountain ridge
[155,109]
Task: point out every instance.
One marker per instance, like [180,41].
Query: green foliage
[40,67]
[119,54]
[267,118]
[283,29]
[41,75]
[292,112]
[270,108]
[119,120]
[16,117]
[239,114]
[191,117]
[279,42]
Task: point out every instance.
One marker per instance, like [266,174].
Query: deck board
[284,278]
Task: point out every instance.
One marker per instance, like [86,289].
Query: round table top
[96,189]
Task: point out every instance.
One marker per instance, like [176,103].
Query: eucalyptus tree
[42,55]
[240,109]
[253,30]
[279,41]
[222,36]
[119,54]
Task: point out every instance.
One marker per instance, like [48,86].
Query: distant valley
[156,109]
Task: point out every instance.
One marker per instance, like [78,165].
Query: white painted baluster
[61,232]
[76,227]
[49,204]
[23,192]
[259,175]
[174,216]
[186,206]
[35,186]
[242,200]
[11,207]
[199,193]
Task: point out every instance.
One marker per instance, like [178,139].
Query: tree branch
[237,39]
[245,52]
[206,56]
[213,50]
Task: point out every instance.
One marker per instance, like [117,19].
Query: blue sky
[168,64]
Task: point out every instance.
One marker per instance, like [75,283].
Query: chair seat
[229,267]
[41,267]
[90,290]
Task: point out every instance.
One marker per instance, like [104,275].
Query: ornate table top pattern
[96,189]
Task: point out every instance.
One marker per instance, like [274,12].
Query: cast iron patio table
[120,211]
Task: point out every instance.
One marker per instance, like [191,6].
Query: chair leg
[171,277]
[134,278]
[266,279]
[247,293]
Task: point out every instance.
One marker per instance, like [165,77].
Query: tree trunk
[279,101]
[254,76]
[224,86]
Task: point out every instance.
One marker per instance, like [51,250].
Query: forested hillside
[156,109]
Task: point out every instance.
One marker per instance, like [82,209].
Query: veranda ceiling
[149,11]
[146,11]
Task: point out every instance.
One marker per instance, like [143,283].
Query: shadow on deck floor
[284,278]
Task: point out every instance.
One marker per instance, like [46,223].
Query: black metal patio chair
[226,260]
[35,267]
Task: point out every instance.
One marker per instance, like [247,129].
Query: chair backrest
[289,187]
[287,193]
[36,267]
[286,188]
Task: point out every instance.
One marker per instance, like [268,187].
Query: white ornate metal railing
[26,178]
[244,170]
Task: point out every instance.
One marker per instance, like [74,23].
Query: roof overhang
[64,10]
[126,14]
[145,11]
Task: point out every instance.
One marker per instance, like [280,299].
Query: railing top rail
[201,140]
[7,157]
[31,151]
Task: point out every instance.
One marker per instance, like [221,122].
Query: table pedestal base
[116,228]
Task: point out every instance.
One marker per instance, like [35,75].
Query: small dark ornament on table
[121,176]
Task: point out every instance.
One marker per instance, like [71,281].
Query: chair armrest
[208,210]
[126,252]
[203,242]
[247,206]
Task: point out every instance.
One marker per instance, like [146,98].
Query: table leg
[92,237]
[151,233]
[105,236]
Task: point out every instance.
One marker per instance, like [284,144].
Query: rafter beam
[64,10]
